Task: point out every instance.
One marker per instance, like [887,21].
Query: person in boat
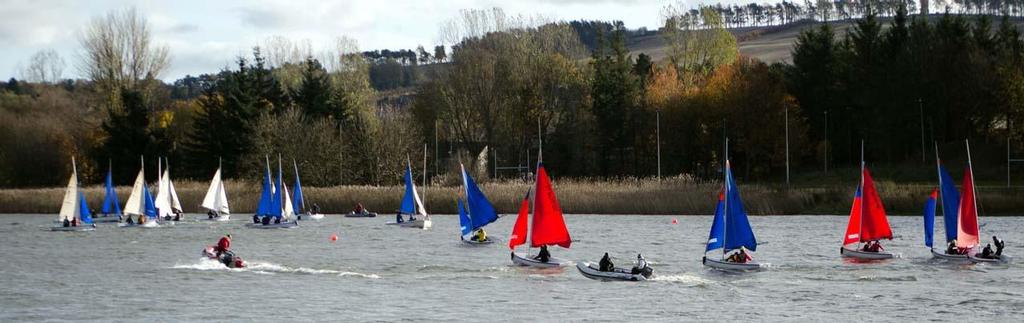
[129,220]
[480,235]
[265,220]
[277,220]
[359,209]
[999,246]
[223,245]
[177,215]
[315,209]
[67,223]
[74,222]
[142,219]
[606,263]
[640,264]
[256,218]
[872,246]
[543,255]
[398,218]
[987,252]
[951,248]
[740,256]
[210,214]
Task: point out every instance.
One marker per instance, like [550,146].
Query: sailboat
[730,229]
[548,225]
[167,205]
[111,206]
[950,205]
[300,199]
[140,209]
[74,209]
[480,211]
[412,205]
[967,230]
[273,207]
[216,199]
[868,221]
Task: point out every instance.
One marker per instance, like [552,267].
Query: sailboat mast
[424,175]
[862,208]
[725,206]
[536,177]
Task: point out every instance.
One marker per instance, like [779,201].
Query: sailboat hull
[417,224]
[881,255]
[530,262]
[977,259]
[948,257]
[82,228]
[590,270]
[487,241]
[282,225]
[732,266]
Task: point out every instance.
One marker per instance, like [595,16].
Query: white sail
[175,204]
[286,210]
[163,196]
[419,203]
[69,207]
[136,205]
[216,199]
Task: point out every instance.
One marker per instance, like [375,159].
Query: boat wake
[680,278]
[205,264]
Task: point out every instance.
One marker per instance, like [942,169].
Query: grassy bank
[671,196]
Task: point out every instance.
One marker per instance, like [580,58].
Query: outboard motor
[647,271]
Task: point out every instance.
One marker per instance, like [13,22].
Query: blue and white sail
[299,201]
[735,231]
[465,224]
[111,206]
[950,197]
[84,214]
[481,211]
[278,204]
[73,205]
[266,204]
[411,203]
[139,201]
[929,219]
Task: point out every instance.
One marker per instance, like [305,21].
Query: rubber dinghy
[412,205]
[73,208]
[950,206]
[548,225]
[140,204]
[477,213]
[730,230]
[351,214]
[592,271]
[228,258]
[868,221]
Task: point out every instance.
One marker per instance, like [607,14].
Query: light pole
[826,141]
[786,110]
[920,107]
[658,132]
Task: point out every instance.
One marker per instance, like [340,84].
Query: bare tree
[117,51]
[45,66]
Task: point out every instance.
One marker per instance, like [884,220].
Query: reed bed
[674,196]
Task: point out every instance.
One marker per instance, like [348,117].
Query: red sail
[853,228]
[519,229]
[967,218]
[874,223]
[548,224]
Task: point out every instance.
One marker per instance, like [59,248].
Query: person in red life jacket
[359,209]
[223,245]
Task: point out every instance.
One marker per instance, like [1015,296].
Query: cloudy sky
[205,36]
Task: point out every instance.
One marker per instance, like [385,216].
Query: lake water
[376,272]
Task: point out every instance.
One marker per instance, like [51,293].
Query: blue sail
[464,221]
[408,204]
[150,206]
[297,195]
[737,228]
[480,209]
[277,202]
[717,235]
[929,219]
[264,206]
[950,203]
[83,209]
[110,203]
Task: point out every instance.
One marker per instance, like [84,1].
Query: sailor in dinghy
[74,213]
[477,213]
[216,199]
[968,226]
[299,202]
[140,204]
[411,205]
[950,205]
[868,222]
[730,229]
[111,209]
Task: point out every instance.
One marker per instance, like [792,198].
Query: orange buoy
[674,221]
[334,237]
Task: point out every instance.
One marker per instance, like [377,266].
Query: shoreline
[628,197]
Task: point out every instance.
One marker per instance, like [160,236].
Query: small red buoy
[334,237]
[674,221]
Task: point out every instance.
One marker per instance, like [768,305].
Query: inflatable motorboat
[592,271]
[736,266]
[228,258]
[531,262]
[361,215]
[864,255]
[977,258]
